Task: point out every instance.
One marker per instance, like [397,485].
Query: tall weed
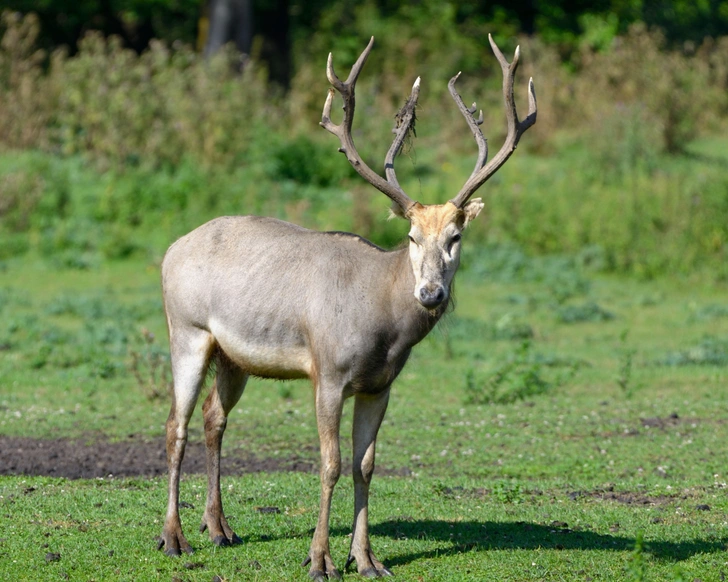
[28,98]
[523,375]
[674,89]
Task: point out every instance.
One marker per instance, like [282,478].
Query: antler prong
[483,171]
[405,118]
[531,99]
[473,123]
[330,74]
[405,122]
[326,115]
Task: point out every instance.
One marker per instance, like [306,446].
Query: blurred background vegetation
[119,132]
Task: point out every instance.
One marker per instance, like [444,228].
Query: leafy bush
[711,351]
[520,377]
[150,366]
[672,90]
[305,161]
[173,140]
[588,311]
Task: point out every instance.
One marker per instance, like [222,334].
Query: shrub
[174,140]
[672,90]
[519,378]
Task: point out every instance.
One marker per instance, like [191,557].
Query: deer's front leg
[225,393]
[368,414]
[329,401]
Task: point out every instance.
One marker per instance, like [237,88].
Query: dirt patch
[663,423]
[77,459]
[625,497]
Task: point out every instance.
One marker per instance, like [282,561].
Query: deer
[259,296]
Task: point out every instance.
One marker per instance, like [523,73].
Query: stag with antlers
[259,296]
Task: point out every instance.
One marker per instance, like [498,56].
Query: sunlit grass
[489,486]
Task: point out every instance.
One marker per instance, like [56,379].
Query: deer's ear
[472,209]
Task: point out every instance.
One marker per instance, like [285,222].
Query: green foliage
[518,378]
[150,366]
[710,351]
[588,311]
[637,567]
[159,107]
[624,378]
[509,493]
[152,144]
[90,334]
[562,277]
[306,162]
[639,72]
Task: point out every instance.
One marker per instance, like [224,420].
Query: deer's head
[436,230]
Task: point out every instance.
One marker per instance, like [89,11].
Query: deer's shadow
[490,535]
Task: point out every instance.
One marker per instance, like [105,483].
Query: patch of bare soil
[79,459]
[75,459]
[663,423]
[626,497]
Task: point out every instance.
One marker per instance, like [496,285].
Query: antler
[405,123]
[516,128]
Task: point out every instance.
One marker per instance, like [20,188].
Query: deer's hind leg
[224,395]
[190,350]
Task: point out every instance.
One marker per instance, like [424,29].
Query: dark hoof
[223,542]
[171,550]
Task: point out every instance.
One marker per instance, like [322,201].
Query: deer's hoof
[221,534]
[174,546]
[322,575]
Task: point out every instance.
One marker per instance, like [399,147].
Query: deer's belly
[285,358]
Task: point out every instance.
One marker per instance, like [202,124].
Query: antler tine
[473,123]
[405,120]
[390,186]
[516,128]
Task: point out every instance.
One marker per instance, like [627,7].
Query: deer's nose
[432,298]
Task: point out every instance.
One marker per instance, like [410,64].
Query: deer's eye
[456,238]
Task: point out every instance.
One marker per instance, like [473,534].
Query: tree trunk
[230,21]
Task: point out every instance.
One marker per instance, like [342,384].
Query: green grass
[490,485]
[422,527]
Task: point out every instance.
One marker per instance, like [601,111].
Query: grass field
[557,426]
